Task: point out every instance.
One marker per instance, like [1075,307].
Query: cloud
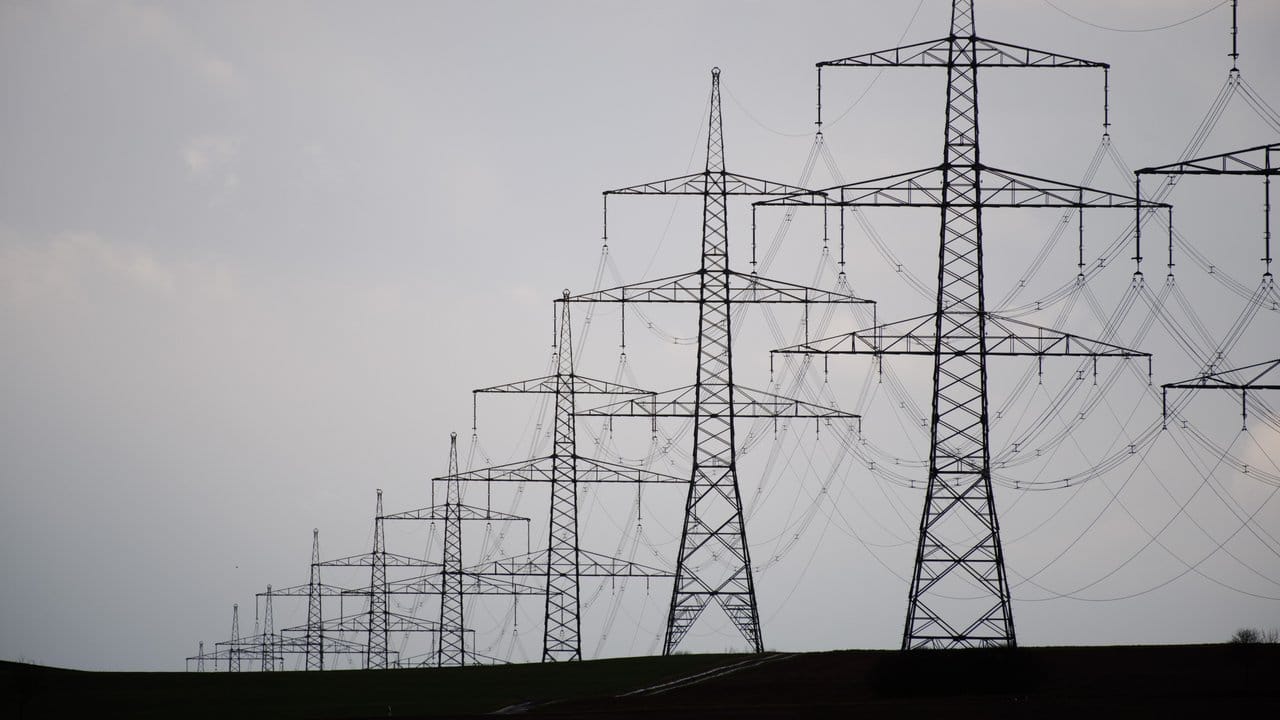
[74,265]
[204,154]
[156,25]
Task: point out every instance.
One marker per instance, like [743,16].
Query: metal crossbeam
[471,585]
[465,512]
[979,52]
[1260,160]
[590,564]
[747,403]
[543,470]
[696,184]
[1258,376]
[1003,336]
[997,188]
[742,288]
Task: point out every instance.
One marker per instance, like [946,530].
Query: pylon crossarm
[913,188]
[543,470]
[1260,160]
[986,53]
[472,584]
[359,622]
[321,589]
[997,188]
[747,403]
[1258,376]
[751,288]
[531,564]
[581,385]
[1004,336]
[683,288]
[590,564]
[297,643]
[465,512]
[592,470]
[370,559]
[743,288]
[699,184]
[1008,189]
[594,564]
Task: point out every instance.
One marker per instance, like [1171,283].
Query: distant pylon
[376,658]
[200,658]
[268,636]
[453,637]
[233,650]
[315,615]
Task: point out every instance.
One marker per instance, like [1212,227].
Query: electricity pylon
[959,553]
[378,560]
[315,611]
[452,647]
[268,639]
[233,653]
[311,641]
[714,561]
[1263,161]
[560,564]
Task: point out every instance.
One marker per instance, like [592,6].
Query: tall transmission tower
[714,560]
[315,610]
[378,616]
[310,640]
[959,553]
[452,646]
[451,649]
[561,563]
[268,638]
[377,625]
[233,656]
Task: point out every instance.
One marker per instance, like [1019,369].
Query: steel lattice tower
[959,488]
[378,620]
[959,552]
[713,522]
[233,652]
[314,638]
[451,649]
[714,560]
[562,633]
[561,563]
[451,582]
[268,635]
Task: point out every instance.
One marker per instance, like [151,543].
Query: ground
[1174,681]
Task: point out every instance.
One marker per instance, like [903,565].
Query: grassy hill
[1176,681]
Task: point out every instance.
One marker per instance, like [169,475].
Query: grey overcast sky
[254,255]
